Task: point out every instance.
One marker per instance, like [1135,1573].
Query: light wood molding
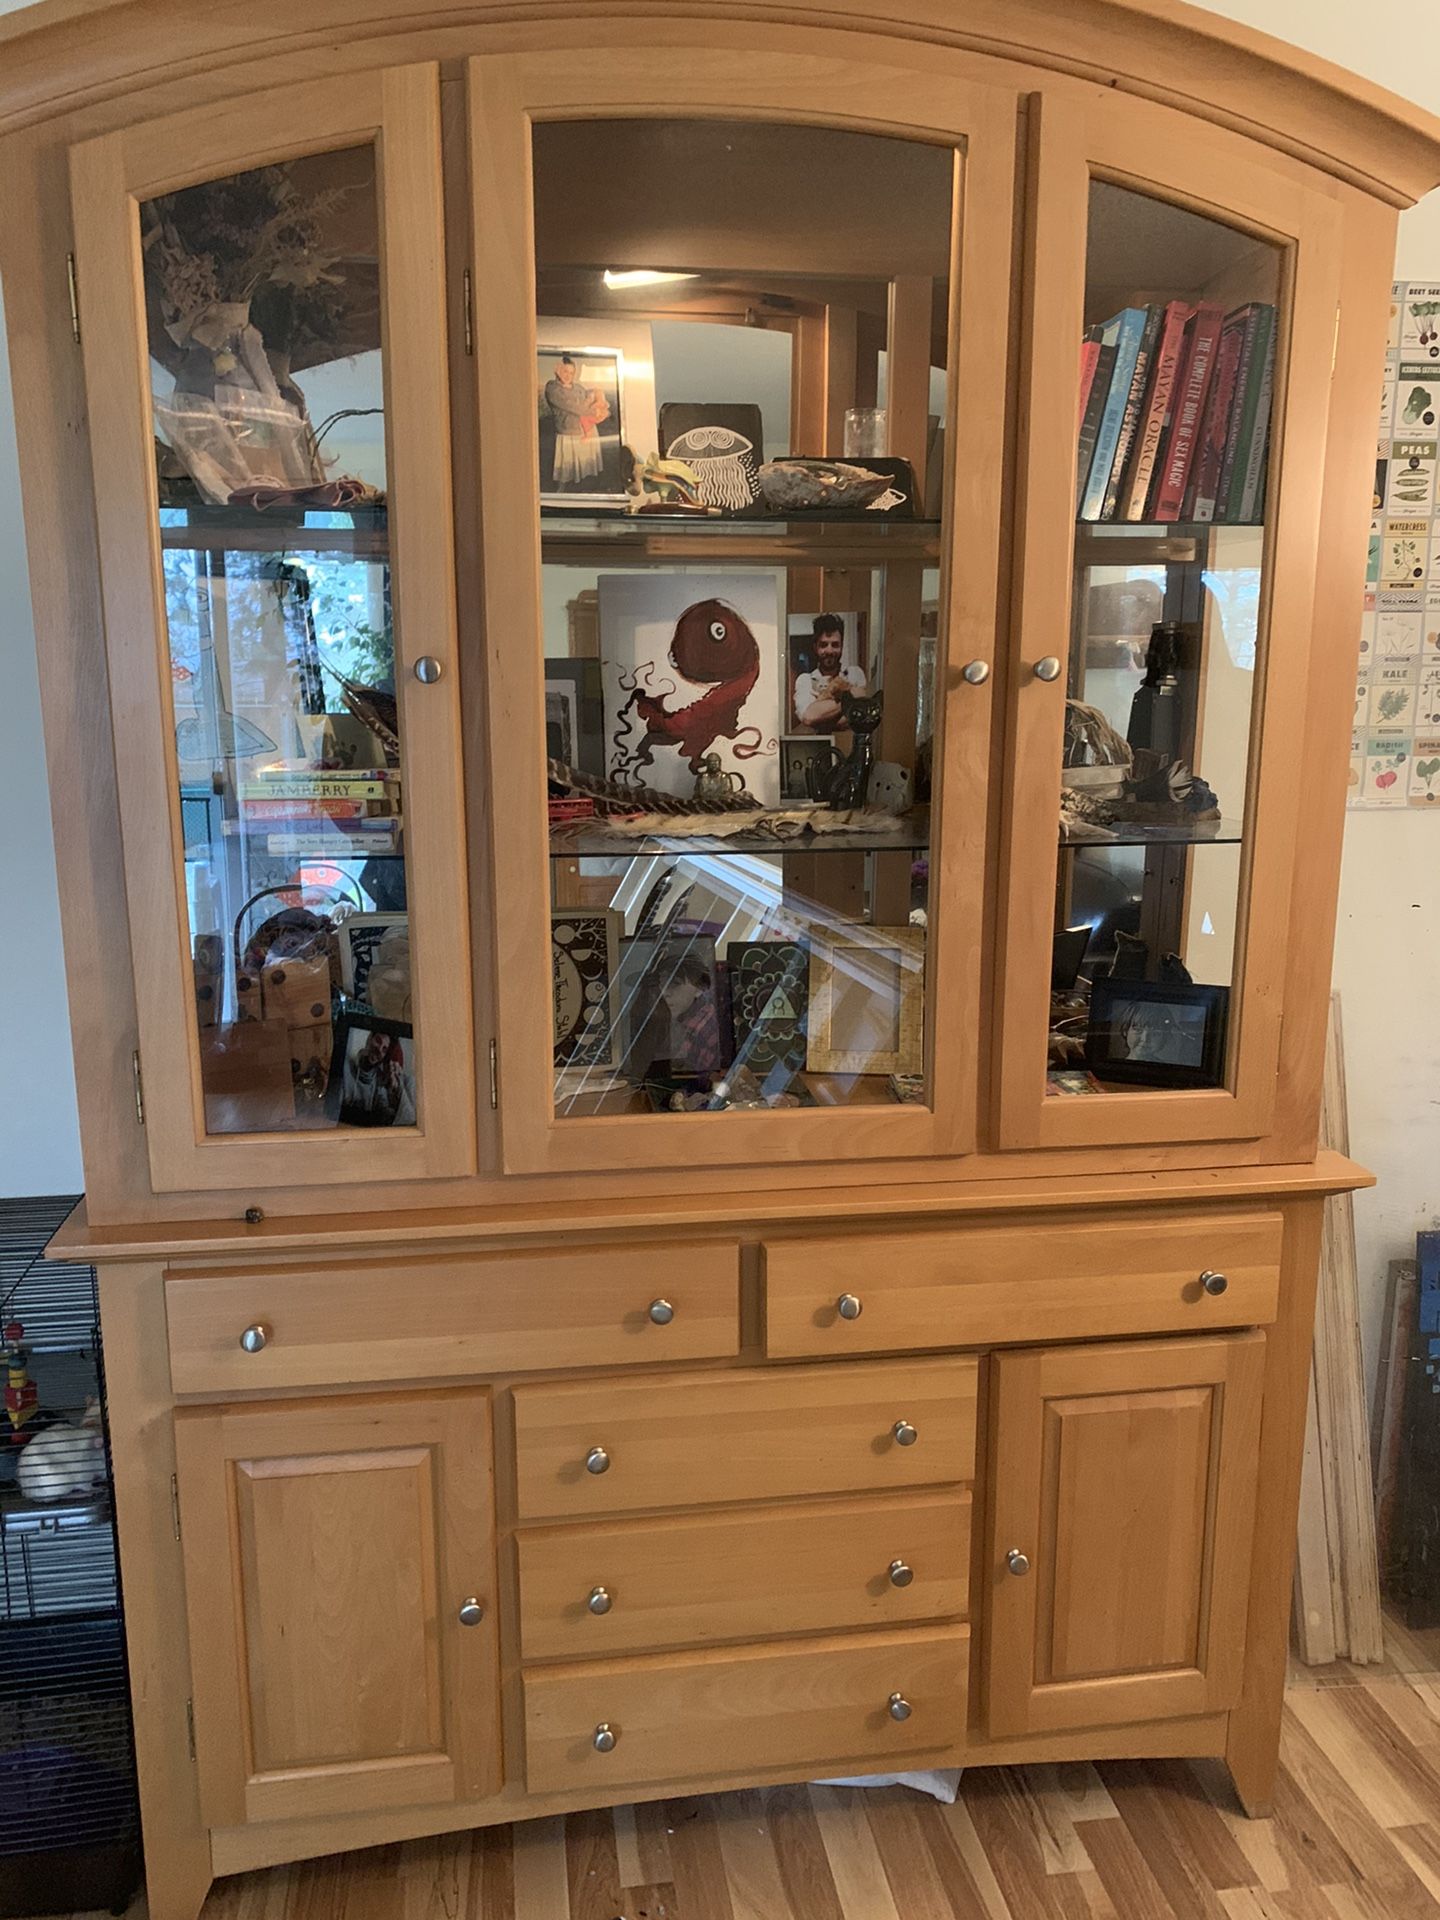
[1126,1476]
[790,1432]
[328,1548]
[427,1318]
[746,1574]
[753,1709]
[1004,1285]
[399,112]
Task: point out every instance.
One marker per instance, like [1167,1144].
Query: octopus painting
[714,648]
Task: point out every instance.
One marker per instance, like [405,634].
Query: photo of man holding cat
[826,660]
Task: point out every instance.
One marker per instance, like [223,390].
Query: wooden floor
[1356,1836]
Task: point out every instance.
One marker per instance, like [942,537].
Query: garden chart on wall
[1395,746]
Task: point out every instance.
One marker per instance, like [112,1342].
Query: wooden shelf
[820,540]
[1203,833]
[362,531]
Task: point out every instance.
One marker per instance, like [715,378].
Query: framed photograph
[1155,1035]
[770,1005]
[580,420]
[372,1072]
[825,655]
[584,955]
[797,757]
[690,665]
[360,937]
[672,1010]
[574,714]
[867,1001]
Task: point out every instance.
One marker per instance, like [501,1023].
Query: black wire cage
[69,1815]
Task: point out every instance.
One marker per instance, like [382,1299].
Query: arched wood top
[62,55]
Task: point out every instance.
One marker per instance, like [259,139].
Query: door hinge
[494,1077]
[74,297]
[175,1503]
[469,299]
[139,1087]
[190,1725]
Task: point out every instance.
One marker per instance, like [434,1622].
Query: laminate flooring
[1355,1836]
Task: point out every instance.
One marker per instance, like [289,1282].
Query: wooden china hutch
[696,669]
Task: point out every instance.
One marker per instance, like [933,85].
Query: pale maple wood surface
[1356,1833]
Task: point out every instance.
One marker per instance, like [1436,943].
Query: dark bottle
[1155,710]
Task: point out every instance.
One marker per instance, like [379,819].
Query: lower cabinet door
[857,1702]
[1123,1510]
[339,1572]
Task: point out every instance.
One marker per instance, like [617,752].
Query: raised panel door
[330,1547]
[1122,1514]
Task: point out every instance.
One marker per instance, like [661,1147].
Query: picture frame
[374,1072]
[798,753]
[846,1025]
[770,1006]
[580,421]
[574,714]
[675,1041]
[584,956]
[1149,1033]
[820,648]
[624,356]
[359,938]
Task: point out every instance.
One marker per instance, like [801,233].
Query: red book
[1157,405]
[1089,356]
[1204,487]
[1192,389]
[308,809]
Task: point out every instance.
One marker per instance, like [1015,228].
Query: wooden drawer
[466,1314]
[1044,1280]
[754,1710]
[713,1438]
[687,1579]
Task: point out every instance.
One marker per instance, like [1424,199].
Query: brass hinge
[190,1725]
[74,297]
[139,1087]
[494,1077]
[469,293]
[175,1503]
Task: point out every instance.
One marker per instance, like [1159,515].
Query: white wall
[1388,955]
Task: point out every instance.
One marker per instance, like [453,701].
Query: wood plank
[540,1869]
[855,1864]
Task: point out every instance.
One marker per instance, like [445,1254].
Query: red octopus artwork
[711,647]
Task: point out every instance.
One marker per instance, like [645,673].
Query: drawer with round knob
[428,1318]
[851,1703]
[715,1437]
[1048,1279]
[634,1586]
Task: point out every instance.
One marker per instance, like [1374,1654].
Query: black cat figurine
[846,781]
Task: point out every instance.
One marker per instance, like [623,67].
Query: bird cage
[69,1817]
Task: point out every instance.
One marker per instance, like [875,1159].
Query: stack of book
[302,812]
[1175,413]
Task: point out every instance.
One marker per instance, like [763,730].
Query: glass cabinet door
[1171,523]
[270,434]
[739,350]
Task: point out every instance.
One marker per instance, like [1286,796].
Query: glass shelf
[1201,833]
[831,540]
[592,842]
[364,531]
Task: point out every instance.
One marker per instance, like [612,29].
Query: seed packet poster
[690,665]
[1395,738]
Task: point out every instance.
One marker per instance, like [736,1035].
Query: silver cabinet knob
[428,669]
[1017,1561]
[900,1708]
[661,1313]
[849,1306]
[1214,1283]
[976,672]
[597,1460]
[1048,668]
[900,1573]
[905,1434]
[472,1612]
[605,1737]
[599,1601]
[253,1338]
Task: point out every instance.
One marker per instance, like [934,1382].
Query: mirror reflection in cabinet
[740,624]
[262,302]
[1183,320]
